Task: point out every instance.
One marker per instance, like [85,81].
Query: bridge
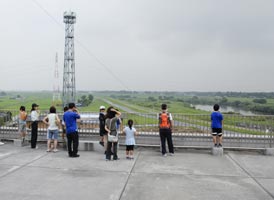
[193,173]
[189,130]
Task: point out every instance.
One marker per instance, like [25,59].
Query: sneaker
[55,150]
[165,155]
[220,145]
[215,145]
[75,156]
[171,154]
[116,158]
[48,150]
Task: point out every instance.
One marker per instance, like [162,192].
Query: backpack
[164,120]
[118,124]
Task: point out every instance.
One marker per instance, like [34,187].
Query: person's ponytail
[130,123]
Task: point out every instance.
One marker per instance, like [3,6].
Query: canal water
[224,109]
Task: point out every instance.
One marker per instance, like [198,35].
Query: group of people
[109,129]
[69,123]
[34,116]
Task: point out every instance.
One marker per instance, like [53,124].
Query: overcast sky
[170,45]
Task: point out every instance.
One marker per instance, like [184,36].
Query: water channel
[225,109]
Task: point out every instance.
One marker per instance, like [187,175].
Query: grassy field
[26,99]
[139,102]
[148,103]
[43,99]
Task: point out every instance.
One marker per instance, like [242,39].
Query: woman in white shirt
[52,120]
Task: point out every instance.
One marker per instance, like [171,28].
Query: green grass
[42,99]
[139,103]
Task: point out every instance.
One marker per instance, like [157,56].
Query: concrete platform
[217,151]
[18,142]
[33,174]
[90,145]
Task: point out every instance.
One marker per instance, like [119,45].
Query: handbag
[112,138]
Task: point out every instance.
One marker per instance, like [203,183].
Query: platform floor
[27,174]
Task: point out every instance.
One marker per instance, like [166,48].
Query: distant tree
[223,100]
[180,100]
[152,99]
[90,97]
[3,94]
[236,103]
[260,101]
[85,101]
[83,97]
[195,100]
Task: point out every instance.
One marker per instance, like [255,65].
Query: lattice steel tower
[69,91]
[56,98]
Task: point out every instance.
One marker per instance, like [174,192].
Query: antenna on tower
[69,90]
[56,98]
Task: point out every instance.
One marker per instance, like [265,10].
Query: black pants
[165,134]
[73,143]
[109,147]
[34,132]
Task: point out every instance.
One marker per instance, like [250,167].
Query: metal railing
[189,130]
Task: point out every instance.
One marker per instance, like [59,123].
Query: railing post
[271,137]
[271,132]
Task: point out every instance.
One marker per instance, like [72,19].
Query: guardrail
[189,130]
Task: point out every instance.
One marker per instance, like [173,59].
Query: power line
[106,67]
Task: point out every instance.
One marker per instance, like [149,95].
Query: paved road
[34,174]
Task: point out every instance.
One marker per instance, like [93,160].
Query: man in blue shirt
[217,125]
[70,119]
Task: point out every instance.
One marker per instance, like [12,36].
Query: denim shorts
[22,128]
[52,134]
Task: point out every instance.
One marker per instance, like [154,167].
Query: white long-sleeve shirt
[34,115]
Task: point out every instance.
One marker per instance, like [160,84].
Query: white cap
[102,107]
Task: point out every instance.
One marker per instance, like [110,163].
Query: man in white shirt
[34,124]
